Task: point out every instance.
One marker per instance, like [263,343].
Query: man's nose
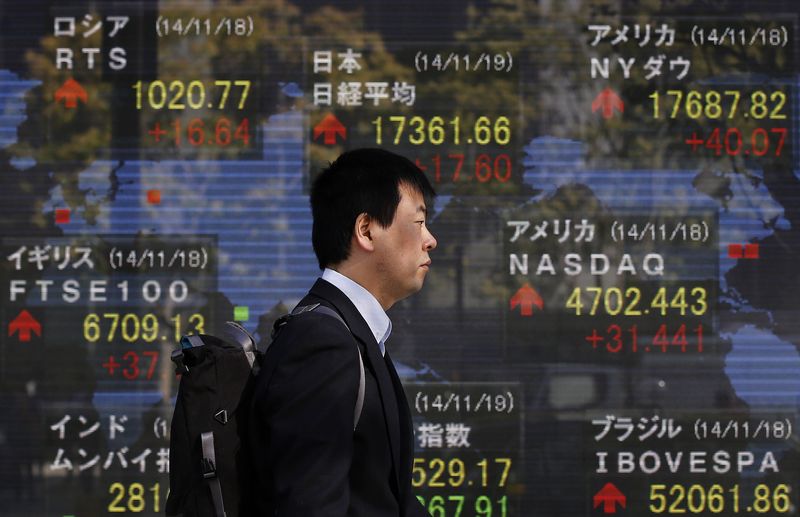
[430,241]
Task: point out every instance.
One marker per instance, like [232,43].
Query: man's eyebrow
[421,208]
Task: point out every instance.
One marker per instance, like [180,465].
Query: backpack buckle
[208,468]
[177,358]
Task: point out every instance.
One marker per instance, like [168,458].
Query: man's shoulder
[314,326]
[308,339]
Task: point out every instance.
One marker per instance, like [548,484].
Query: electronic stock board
[610,323]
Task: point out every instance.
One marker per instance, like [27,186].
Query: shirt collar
[369,308]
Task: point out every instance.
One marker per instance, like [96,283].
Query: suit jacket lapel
[361,330]
[405,426]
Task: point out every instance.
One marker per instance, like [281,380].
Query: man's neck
[361,274]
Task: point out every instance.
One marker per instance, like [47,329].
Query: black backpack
[209,465]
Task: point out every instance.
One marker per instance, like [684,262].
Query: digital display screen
[611,322]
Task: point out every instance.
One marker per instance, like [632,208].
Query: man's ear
[362,233]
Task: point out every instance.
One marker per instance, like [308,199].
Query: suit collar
[368,306]
[358,326]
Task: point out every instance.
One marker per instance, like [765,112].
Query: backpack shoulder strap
[209,463]
[240,336]
[322,309]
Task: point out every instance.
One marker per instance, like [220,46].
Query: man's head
[370,209]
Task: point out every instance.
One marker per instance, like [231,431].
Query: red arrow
[24,323]
[609,496]
[527,297]
[608,100]
[70,92]
[330,127]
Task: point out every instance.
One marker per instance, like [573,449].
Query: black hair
[359,181]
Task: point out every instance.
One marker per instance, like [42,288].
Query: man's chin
[416,286]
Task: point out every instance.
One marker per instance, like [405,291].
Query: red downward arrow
[527,297]
[608,100]
[70,92]
[609,496]
[24,323]
[330,127]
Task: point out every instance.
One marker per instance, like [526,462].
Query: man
[372,242]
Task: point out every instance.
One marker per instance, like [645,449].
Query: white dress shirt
[367,305]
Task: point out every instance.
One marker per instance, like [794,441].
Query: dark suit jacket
[308,460]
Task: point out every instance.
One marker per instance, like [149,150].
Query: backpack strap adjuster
[305,308]
[209,470]
[283,320]
[279,323]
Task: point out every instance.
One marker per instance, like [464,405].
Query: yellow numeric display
[438,473]
[613,301]
[182,95]
[716,499]
[461,506]
[724,104]
[437,130]
[133,327]
[133,498]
